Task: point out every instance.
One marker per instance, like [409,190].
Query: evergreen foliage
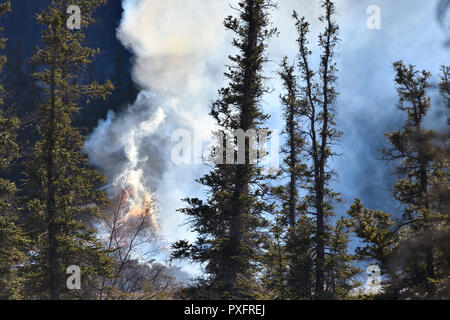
[61,189]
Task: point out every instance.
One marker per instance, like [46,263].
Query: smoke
[116,146]
[173,41]
[368,99]
[443,15]
[177,48]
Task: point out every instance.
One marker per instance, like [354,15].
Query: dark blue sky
[20,25]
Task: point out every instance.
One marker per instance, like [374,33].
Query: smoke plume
[177,46]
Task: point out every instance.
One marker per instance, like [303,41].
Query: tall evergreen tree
[412,250]
[317,99]
[378,232]
[61,189]
[319,264]
[12,241]
[421,166]
[296,227]
[229,225]
[295,143]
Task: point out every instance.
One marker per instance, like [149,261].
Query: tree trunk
[243,171]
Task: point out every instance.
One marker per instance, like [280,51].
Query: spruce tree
[422,165]
[229,224]
[62,190]
[412,250]
[319,264]
[340,271]
[12,241]
[275,261]
[294,146]
[296,227]
[378,232]
[317,99]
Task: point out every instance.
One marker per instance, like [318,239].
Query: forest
[81,211]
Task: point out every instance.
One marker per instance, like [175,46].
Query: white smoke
[177,46]
[116,143]
[176,50]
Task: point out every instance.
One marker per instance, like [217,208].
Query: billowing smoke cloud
[177,46]
[179,63]
[116,146]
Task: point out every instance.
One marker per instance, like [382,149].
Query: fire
[132,206]
[143,212]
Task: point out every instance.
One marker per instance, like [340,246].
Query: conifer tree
[276,276]
[340,271]
[378,232]
[296,227]
[229,224]
[319,263]
[317,98]
[422,165]
[61,189]
[413,250]
[12,240]
[295,142]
